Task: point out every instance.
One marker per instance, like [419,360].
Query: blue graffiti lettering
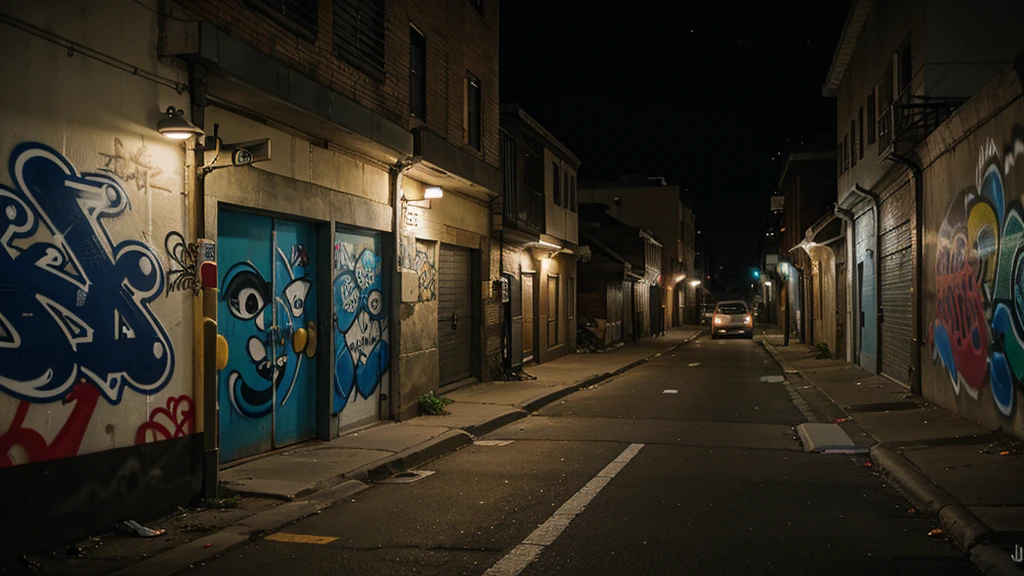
[74,306]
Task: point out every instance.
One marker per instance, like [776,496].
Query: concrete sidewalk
[965,476]
[277,489]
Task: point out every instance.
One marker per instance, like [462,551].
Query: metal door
[528,318]
[454,314]
[266,312]
[895,298]
[361,337]
[866,292]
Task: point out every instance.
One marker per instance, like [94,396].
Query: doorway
[267,314]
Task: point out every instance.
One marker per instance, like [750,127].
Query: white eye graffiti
[295,294]
[257,350]
[375,302]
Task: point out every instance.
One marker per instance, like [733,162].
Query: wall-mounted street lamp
[768,283]
[680,278]
[176,127]
[694,283]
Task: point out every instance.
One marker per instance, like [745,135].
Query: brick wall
[459,40]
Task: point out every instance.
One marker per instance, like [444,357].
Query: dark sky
[710,95]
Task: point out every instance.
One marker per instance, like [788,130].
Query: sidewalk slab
[817,437]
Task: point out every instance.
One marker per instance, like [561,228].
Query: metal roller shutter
[454,314]
[896,286]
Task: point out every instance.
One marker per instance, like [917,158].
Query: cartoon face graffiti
[361,338]
[74,305]
[268,323]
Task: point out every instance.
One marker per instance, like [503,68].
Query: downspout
[917,317]
[204,309]
[879,311]
[396,172]
[847,217]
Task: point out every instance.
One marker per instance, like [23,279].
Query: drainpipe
[204,309]
[879,311]
[847,217]
[396,173]
[917,337]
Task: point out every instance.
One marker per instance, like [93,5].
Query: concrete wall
[972,235]
[561,222]
[95,325]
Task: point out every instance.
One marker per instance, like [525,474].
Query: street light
[175,126]
[768,283]
[694,283]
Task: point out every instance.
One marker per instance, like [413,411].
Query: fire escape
[910,119]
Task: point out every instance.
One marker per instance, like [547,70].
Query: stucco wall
[95,328]
[971,277]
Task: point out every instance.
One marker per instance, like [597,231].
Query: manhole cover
[407,477]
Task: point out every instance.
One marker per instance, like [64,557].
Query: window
[839,157]
[554,326]
[860,133]
[565,189]
[417,74]
[846,152]
[853,142]
[301,14]
[572,193]
[359,33]
[556,178]
[473,111]
[872,118]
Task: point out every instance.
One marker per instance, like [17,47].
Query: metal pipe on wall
[396,173]
[847,217]
[879,311]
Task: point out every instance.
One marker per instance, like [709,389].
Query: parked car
[732,317]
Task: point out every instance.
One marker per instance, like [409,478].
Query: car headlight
[746,319]
[718,319]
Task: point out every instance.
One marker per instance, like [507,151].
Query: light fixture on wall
[433,193]
[549,245]
[768,283]
[694,283]
[680,278]
[175,126]
[428,193]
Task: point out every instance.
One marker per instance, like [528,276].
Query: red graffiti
[68,440]
[173,421]
[960,308]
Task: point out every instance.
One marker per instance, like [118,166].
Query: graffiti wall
[86,363]
[974,263]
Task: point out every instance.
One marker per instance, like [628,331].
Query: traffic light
[757,274]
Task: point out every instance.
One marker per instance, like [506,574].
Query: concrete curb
[333,490]
[966,530]
[969,533]
[786,365]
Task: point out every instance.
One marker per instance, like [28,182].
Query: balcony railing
[524,209]
[912,118]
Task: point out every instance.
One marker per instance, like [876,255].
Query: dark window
[359,33]
[572,194]
[565,189]
[417,74]
[473,111]
[872,118]
[846,152]
[853,142]
[904,63]
[839,157]
[300,13]
[556,179]
[860,132]
[478,5]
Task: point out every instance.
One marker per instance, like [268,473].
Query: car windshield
[732,309]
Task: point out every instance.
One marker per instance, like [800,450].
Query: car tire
[749,335]
[714,336]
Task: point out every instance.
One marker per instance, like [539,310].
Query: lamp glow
[433,193]
[768,284]
[694,283]
[174,125]
[549,245]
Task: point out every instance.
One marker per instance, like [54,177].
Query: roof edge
[855,19]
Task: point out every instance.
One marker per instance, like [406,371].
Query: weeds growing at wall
[433,405]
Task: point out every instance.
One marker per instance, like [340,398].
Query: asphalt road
[626,478]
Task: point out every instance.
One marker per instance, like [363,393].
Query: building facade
[539,241]
[899,70]
[651,204]
[317,258]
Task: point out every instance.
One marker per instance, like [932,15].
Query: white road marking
[692,364]
[670,391]
[520,557]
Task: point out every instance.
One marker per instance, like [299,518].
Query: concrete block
[821,437]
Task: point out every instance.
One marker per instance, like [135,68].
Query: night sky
[711,96]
